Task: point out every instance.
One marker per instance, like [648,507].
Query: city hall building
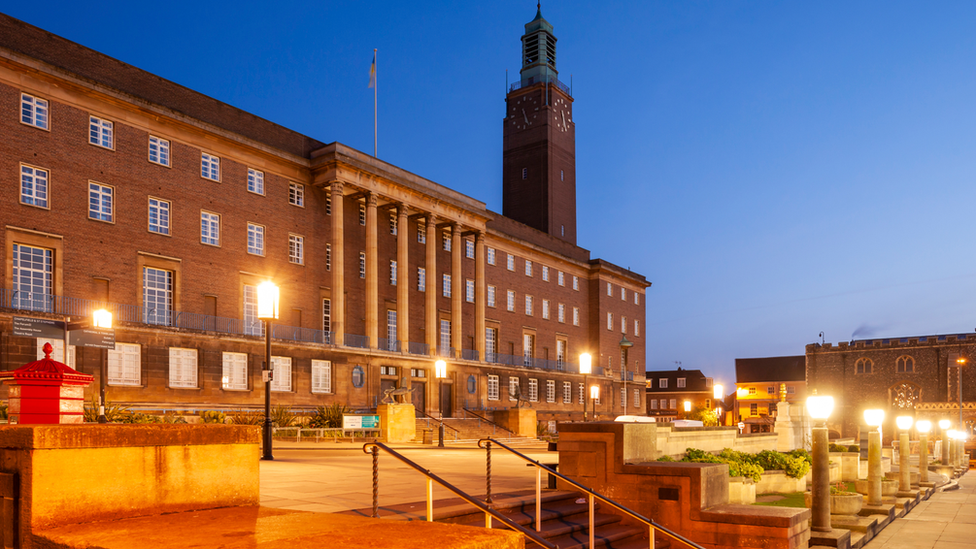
[126,191]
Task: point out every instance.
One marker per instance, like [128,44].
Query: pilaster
[372,284]
[403,278]
[338,265]
[480,295]
[430,288]
[457,291]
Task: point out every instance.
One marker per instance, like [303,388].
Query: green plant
[327,417]
[247,417]
[853,448]
[114,413]
[172,417]
[3,411]
[139,417]
[282,417]
[801,453]
[665,458]
[795,466]
[213,416]
[837,447]
[744,469]
[841,489]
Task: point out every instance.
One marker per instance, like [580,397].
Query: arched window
[472,384]
[905,364]
[357,376]
[864,366]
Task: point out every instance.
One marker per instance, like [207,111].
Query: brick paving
[947,520]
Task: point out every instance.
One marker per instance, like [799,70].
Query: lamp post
[687,408]
[101,319]
[820,408]
[594,396]
[904,423]
[874,418]
[586,368]
[625,345]
[960,362]
[717,393]
[944,426]
[440,372]
[953,448]
[267,311]
[923,427]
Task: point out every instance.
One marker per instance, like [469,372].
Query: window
[560,354]
[637,328]
[33,111]
[754,409]
[393,273]
[210,228]
[545,273]
[255,239]
[545,309]
[158,150]
[492,387]
[610,321]
[158,216]
[418,372]
[636,298]
[296,195]
[182,367]
[362,264]
[560,278]
[652,404]
[567,392]
[296,249]
[491,344]
[33,186]
[550,391]
[790,390]
[637,398]
[561,313]
[252,325]
[533,390]
[421,279]
[864,366]
[674,404]
[581,398]
[528,305]
[770,390]
[321,376]
[511,262]
[446,283]
[752,390]
[362,214]
[525,173]
[511,300]
[609,289]
[662,383]
[469,249]
[576,283]
[100,132]
[623,398]
[209,167]
[124,365]
[905,364]
[393,223]
[255,181]
[491,296]
[421,233]
[513,388]
[281,380]
[446,240]
[358,376]
[528,349]
[623,325]
[328,257]
[234,375]
[576,316]
[100,202]
[445,337]
[58,352]
[623,294]
[491,256]
[528,268]
[326,315]
[469,290]
[681,382]
[391,330]
[157,296]
[562,175]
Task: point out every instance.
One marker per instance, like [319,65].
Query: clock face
[562,114]
[523,112]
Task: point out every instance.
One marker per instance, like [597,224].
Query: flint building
[123,190]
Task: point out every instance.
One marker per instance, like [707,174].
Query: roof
[695,381]
[776,368]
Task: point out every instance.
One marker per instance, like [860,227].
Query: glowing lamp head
[874,418]
[595,392]
[687,405]
[820,406]
[923,426]
[440,369]
[718,391]
[904,422]
[944,424]
[102,319]
[960,361]
[267,301]
[586,364]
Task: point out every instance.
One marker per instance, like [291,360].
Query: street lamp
[594,396]
[586,368]
[440,372]
[944,426]
[625,345]
[687,406]
[267,311]
[820,408]
[923,428]
[953,448]
[961,361]
[102,319]
[904,423]
[874,418]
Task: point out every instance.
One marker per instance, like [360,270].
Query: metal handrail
[592,496]
[441,421]
[373,447]
[486,420]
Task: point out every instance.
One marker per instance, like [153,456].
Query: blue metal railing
[469,354]
[385,344]
[553,81]
[446,352]
[415,348]
[358,341]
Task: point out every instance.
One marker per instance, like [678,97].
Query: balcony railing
[530,362]
[415,348]
[553,81]
[385,344]
[626,376]
[358,341]
[446,352]
[469,354]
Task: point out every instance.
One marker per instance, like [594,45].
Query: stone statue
[519,399]
[399,395]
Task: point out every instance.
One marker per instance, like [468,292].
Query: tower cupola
[538,51]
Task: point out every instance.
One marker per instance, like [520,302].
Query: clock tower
[539,147]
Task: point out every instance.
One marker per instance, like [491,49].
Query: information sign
[38,327]
[360,422]
[99,338]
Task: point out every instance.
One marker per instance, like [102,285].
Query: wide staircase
[465,430]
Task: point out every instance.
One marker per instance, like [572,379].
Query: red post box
[46,391]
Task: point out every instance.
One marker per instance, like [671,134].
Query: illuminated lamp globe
[595,392]
[687,405]
[102,319]
[717,391]
[874,418]
[923,426]
[944,424]
[586,364]
[268,301]
[440,369]
[904,422]
[820,407]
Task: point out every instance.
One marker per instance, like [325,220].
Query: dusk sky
[774,169]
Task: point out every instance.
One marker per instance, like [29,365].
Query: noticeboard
[38,327]
[360,422]
[99,338]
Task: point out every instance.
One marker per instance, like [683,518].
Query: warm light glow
[595,392]
[954,434]
[742,392]
[944,424]
[440,369]
[904,422]
[718,391]
[874,418]
[923,426]
[687,405]
[102,319]
[820,407]
[960,361]
[267,301]
[586,364]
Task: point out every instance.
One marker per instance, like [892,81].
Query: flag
[372,72]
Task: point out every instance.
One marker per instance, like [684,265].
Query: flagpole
[375,85]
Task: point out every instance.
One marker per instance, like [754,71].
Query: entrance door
[419,398]
[385,385]
[447,400]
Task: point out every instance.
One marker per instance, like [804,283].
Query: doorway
[447,399]
[419,398]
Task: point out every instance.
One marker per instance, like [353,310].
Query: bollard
[440,436]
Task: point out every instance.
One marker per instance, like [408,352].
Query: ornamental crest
[905,395]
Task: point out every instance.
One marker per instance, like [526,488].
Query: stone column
[403,278]
[480,295]
[457,291]
[820,492]
[923,458]
[904,450]
[430,290]
[372,283]
[874,467]
[945,446]
[338,265]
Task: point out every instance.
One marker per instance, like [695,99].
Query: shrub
[172,417]
[837,447]
[853,448]
[139,417]
[801,453]
[795,466]
[770,460]
[3,410]
[282,417]
[114,413]
[327,417]
[213,416]
[247,417]
[665,458]
[743,469]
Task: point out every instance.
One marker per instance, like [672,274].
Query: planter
[840,504]
[888,487]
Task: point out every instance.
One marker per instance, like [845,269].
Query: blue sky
[775,169]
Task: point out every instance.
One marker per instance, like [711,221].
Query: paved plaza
[947,520]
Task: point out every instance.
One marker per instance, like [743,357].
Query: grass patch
[793,499]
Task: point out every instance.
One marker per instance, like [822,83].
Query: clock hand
[525,116]
[564,116]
